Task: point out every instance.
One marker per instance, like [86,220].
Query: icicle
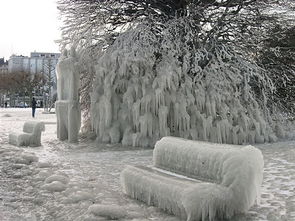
[163,114]
[136,114]
[243,121]
[184,121]
[241,136]
[235,130]
[208,123]
[201,126]
[200,100]
[105,114]
[160,99]
[193,118]
[114,133]
[116,104]
[135,139]
[251,137]
[146,125]
[128,97]
[176,115]
[218,133]
[127,137]
[213,107]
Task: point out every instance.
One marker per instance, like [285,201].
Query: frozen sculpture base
[68,118]
[31,135]
[198,180]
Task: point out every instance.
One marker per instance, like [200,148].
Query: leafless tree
[21,83]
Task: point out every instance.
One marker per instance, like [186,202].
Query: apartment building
[37,63]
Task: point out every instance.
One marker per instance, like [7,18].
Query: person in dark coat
[33,107]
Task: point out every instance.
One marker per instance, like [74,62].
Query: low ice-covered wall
[31,135]
[219,180]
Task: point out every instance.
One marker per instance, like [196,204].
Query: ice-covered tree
[278,59]
[150,84]
[182,68]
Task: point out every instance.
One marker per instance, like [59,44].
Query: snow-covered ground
[61,181]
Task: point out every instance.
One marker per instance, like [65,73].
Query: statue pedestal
[68,115]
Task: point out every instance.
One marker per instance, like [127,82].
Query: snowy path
[87,177]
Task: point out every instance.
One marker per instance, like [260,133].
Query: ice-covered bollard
[31,135]
[198,180]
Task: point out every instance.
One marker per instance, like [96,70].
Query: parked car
[22,105]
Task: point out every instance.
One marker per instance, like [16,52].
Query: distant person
[5,104]
[33,107]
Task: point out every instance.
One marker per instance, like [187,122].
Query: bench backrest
[237,167]
[33,127]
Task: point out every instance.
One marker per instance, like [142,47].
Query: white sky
[27,26]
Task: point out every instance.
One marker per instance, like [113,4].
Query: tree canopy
[88,21]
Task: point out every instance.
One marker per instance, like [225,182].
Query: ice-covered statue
[67,105]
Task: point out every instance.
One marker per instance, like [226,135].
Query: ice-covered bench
[197,180]
[31,135]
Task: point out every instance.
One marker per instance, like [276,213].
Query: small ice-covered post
[67,106]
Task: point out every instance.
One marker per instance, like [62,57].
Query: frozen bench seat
[197,180]
[31,135]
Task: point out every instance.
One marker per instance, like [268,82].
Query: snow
[108,211]
[55,186]
[26,158]
[235,173]
[95,168]
[57,177]
[78,196]
[44,164]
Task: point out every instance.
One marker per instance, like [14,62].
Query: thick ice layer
[31,135]
[239,168]
[228,179]
[67,74]
[185,198]
[155,188]
[68,115]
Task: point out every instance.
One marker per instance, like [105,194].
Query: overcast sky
[27,26]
